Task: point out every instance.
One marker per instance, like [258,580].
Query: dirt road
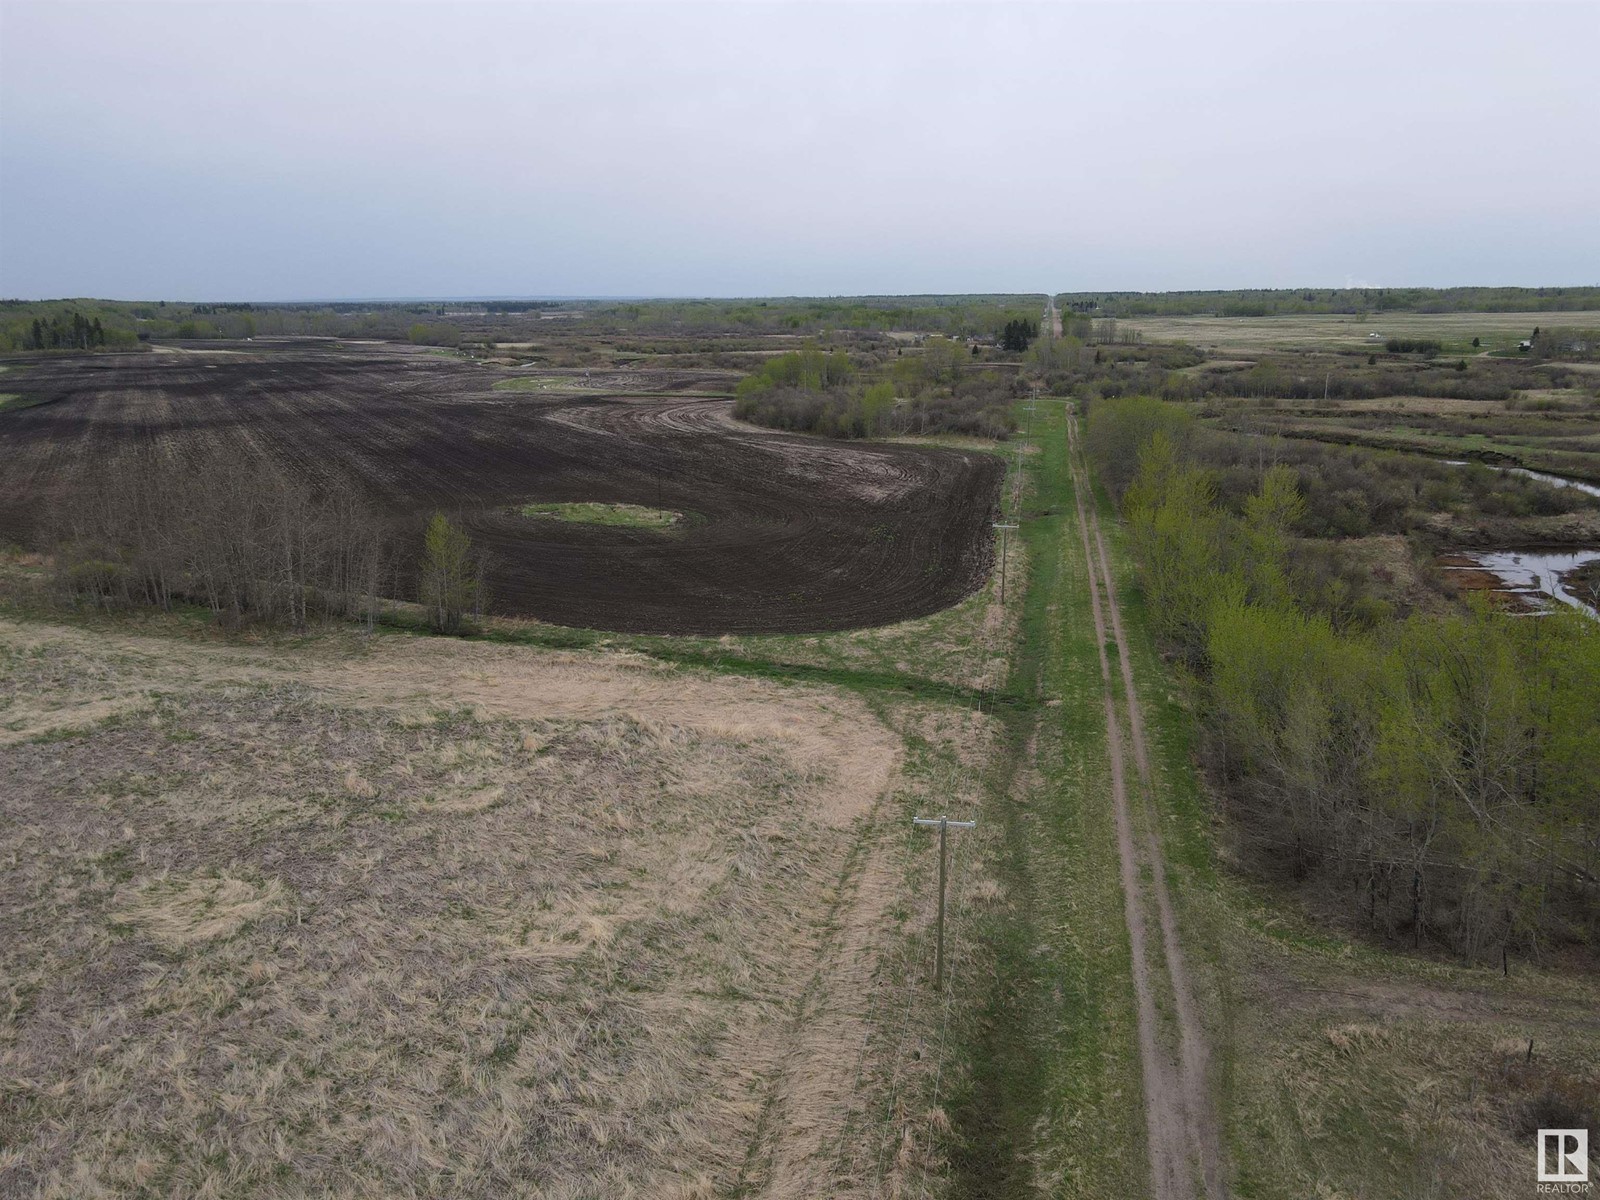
[1181,1124]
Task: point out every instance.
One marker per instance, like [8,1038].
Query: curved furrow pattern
[782,533]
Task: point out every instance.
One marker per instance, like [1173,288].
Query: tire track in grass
[1184,1144]
[1192,1046]
[1163,1121]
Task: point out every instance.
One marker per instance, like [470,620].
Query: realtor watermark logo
[1564,1162]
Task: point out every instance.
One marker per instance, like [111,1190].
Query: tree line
[78,333]
[251,544]
[1434,775]
[952,316]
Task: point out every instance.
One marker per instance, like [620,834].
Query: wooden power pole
[1004,529]
[945,824]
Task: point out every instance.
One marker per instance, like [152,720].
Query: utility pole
[945,824]
[1004,529]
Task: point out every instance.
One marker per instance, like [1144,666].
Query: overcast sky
[290,150]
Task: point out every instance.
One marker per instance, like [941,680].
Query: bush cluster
[1436,771]
[1413,346]
[813,391]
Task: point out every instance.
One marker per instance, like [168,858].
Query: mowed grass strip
[1048,1100]
[541,383]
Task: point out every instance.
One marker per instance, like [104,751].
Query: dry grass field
[1329,332]
[415,917]
[1354,1072]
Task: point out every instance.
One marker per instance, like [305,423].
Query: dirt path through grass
[1182,1126]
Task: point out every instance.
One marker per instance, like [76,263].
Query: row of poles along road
[980,650]
[943,823]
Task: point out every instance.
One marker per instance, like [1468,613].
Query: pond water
[1538,571]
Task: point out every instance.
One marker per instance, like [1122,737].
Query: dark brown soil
[783,533]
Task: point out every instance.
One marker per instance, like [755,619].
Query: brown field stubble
[433,918]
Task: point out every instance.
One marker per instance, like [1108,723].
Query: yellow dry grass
[1347,1085]
[1390,405]
[441,919]
[176,912]
[1329,332]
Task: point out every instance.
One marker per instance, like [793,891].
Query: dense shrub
[1413,346]
[1351,491]
[1438,770]
[812,391]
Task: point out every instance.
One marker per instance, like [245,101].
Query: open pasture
[1318,331]
[779,533]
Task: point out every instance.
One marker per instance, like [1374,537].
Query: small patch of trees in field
[1580,344]
[434,333]
[50,327]
[253,545]
[78,333]
[451,575]
[1436,774]
[1017,335]
[241,538]
[1428,346]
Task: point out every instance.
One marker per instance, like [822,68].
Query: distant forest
[1271,302]
[954,316]
[85,324]
[119,324]
[123,324]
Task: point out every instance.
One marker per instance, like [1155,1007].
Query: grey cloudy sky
[293,150]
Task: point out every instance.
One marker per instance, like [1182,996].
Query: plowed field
[780,533]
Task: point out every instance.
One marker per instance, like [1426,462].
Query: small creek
[1592,489]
